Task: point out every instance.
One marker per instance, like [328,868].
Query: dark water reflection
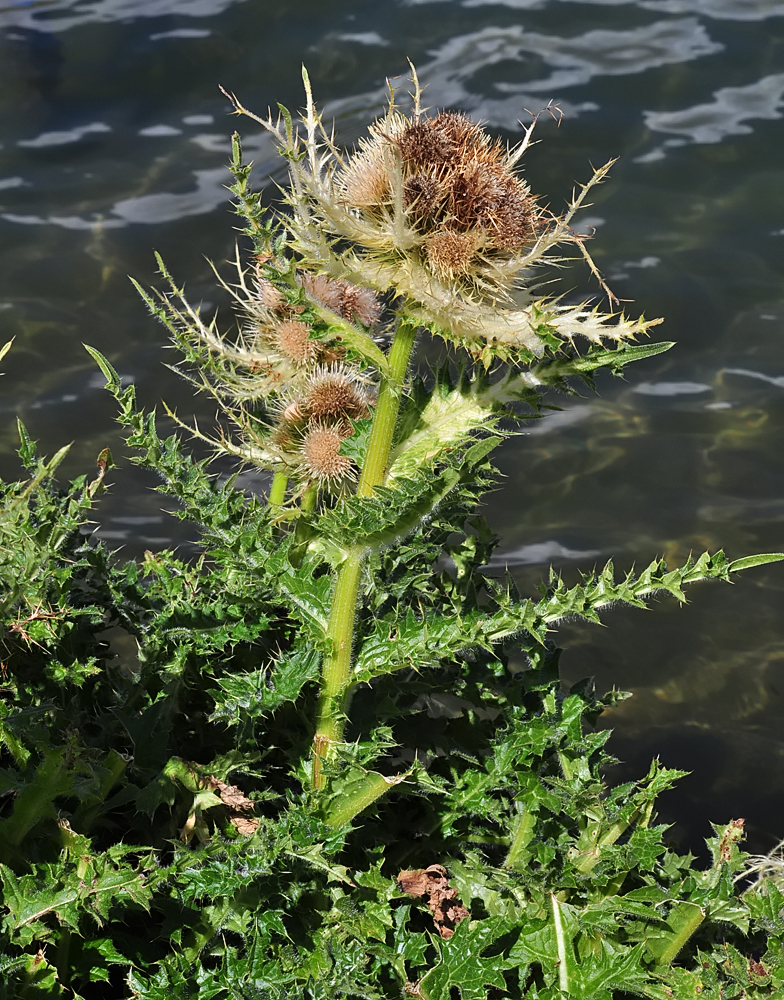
[114,139]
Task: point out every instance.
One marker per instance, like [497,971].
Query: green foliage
[166,829]
[570,886]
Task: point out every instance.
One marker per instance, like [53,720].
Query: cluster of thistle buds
[429,214]
[433,211]
[313,394]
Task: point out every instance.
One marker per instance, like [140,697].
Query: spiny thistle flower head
[428,218]
[320,451]
[313,418]
[329,393]
[334,393]
[433,210]
[282,380]
[457,180]
[269,296]
[343,298]
[292,338]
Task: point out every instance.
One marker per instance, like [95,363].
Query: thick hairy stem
[385,417]
[308,502]
[277,492]
[684,919]
[336,670]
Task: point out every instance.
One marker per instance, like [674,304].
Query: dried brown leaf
[443,901]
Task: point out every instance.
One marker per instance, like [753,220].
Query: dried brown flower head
[321,456]
[451,178]
[438,141]
[292,339]
[450,253]
[333,393]
[515,218]
[347,300]
[422,195]
[434,211]
[423,144]
[458,128]
[366,181]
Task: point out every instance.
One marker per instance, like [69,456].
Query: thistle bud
[450,253]
[292,339]
[321,453]
[347,300]
[334,393]
[293,413]
[270,296]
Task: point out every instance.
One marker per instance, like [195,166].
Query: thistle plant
[271,798]
[428,226]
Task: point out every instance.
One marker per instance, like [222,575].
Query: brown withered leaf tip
[733,833]
[757,969]
[237,804]
[443,902]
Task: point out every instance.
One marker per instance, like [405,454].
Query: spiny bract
[433,209]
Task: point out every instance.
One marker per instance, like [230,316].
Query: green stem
[303,531]
[336,669]
[684,919]
[308,503]
[277,493]
[590,859]
[61,962]
[387,409]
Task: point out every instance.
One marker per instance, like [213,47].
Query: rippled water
[114,139]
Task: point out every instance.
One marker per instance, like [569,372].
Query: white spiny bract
[432,209]
[282,381]
[429,220]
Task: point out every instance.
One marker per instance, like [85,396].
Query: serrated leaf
[252,694]
[558,369]
[389,515]
[461,964]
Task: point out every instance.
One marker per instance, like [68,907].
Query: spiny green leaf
[749,562]
[555,370]
[387,516]
[462,965]
[249,695]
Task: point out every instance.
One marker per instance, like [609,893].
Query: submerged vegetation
[238,776]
